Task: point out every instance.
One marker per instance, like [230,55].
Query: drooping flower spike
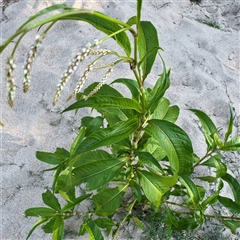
[10,81]
[29,61]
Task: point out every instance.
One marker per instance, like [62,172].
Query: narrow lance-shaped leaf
[77,141]
[147,45]
[106,102]
[191,188]
[235,186]
[232,225]
[230,126]
[232,145]
[108,136]
[93,230]
[100,21]
[208,126]
[229,204]
[58,228]
[40,212]
[96,168]
[175,142]
[38,223]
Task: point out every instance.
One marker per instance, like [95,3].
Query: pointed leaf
[131,84]
[50,200]
[108,136]
[191,188]
[38,223]
[209,179]
[158,90]
[108,200]
[208,126]
[138,222]
[40,212]
[50,158]
[154,186]
[232,225]
[93,230]
[58,228]
[94,125]
[175,143]
[106,102]
[99,170]
[70,206]
[137,190]
[230,126]
[235,186]
[77,141]
[229,204]
[172,114]
[105,223]
[186,224]
[147,42]
[232,145]
[150,161]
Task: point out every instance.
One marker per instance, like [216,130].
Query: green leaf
[235,186]
[137,190]
[38,223]
[191,188]
[39,14]
[150,161]
[230,126]
[158,90]
[108,136]
[229,204]
[93,230]
[232,145]
[175,142]
[108,200]
[138,222]
[139,8]
[58,228]
[50,158]
[208,126]
[131,84]
[105,223]
[99,170]
[154,186]
[232,225]
[40,212]
[70,206]
[186,224]
[164,112]
[209,179]
[170,221]
[50,200]
[48,227]
[215,161]
[94,125]
[172,114]
[106,102]
[105,24]
[147,43]
[77,141]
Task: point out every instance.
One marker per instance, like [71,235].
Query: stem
[203,158]
[124,219]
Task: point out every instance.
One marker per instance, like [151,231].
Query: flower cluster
[111,67]
[89,50]
[30,58]
[10,80]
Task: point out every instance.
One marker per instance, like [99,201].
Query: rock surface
[205,75]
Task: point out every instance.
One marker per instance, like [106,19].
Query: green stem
[124,219]
[203,158]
